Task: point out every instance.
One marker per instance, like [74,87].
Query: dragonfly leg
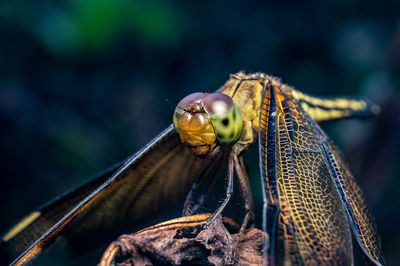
[245,191]
[188,209]
[229,191]
[210,172]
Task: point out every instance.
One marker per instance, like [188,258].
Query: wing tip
[21,225]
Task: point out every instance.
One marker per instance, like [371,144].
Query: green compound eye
[225,117]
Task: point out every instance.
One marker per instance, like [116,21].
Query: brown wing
[306,200]
[151,181]
[358,211]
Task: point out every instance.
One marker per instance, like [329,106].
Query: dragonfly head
[205,121]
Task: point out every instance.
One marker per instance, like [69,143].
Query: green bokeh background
[83,84]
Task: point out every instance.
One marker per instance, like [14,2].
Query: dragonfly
[312,203]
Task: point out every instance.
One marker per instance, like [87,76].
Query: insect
[311,200]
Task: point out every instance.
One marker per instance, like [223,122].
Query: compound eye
[225,117]
[182,105]
[217,103]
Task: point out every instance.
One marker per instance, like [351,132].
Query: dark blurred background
[83,84]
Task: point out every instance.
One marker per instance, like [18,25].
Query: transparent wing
[303,197]
[357,208]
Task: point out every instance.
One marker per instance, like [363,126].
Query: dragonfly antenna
[171,103]
[168,101]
